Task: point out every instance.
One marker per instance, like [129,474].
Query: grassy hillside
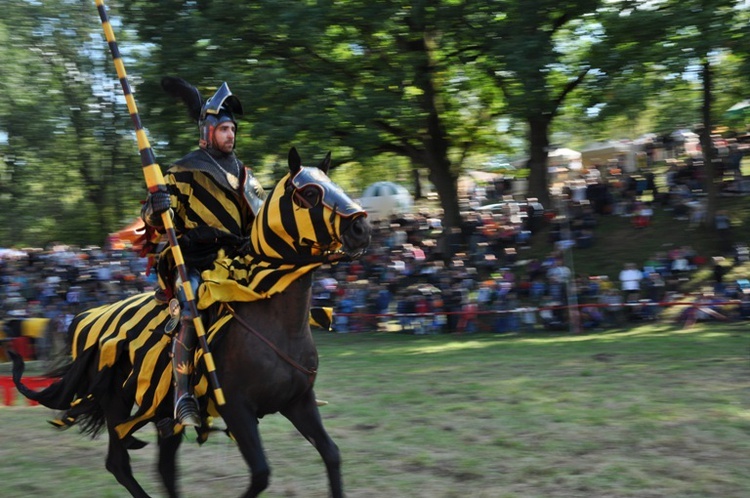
[617,241]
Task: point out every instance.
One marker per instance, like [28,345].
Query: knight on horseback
[213,198]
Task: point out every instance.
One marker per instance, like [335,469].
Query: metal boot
[186,411]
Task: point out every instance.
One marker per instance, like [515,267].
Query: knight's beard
[226,148]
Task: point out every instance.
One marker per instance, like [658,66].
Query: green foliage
[389,87]
[64,174]
[361,78]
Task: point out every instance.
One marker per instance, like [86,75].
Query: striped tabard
[206,190]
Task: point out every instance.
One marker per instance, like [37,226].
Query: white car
[382,200]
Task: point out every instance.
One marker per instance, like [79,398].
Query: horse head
[308,218]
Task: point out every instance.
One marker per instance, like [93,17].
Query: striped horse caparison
[266,361]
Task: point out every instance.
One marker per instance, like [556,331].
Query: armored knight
[213,199]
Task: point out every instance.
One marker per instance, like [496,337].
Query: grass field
[646,412]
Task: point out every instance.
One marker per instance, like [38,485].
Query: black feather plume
[190,95]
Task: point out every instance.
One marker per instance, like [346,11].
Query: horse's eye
[308,197]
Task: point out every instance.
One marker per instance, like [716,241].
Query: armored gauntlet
[157,203]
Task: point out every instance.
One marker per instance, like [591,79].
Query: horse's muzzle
[356,237]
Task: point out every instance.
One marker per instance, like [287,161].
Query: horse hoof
[62,423]
[167,427]
[133,443]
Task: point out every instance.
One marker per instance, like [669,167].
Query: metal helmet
[220,108]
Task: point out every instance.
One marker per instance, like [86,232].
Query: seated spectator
[551,314]
[591,317]
[612,312]
[642,215]
[680,264]
[744,306]
[585,239]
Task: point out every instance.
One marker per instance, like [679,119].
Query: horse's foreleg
[167,465]
[243,425]
[306,418]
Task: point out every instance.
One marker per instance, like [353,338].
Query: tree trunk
[446,185]
[538,150]
[417,183]
[708,147]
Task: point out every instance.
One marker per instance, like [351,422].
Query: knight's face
[223,138]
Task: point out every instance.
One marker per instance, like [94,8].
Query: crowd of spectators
[426,281]
[58,282]
[415,287]
[421,278]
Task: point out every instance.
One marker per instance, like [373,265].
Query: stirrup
[186,411]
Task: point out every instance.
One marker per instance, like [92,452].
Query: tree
[64,172]
[379,79]
[394,88]
[538,55]
[699,35]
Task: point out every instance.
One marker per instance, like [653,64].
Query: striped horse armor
[286,243]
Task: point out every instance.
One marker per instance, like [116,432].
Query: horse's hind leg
[167,462]
[118,459]
[118,463]
[306,418]
[243,424]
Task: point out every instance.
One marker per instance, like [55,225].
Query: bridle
[327,256]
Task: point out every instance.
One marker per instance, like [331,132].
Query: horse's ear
[325,163]
[295,163]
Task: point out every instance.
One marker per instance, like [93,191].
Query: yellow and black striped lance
[155,181]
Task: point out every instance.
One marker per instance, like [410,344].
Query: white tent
[564,158]
[382,200]
[556,158]
[684,135]
[600,154]
[564,154]
[739,109]
[686,142]
[472,179]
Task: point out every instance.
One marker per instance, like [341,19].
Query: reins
[310,372]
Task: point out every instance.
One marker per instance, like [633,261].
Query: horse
[260,338]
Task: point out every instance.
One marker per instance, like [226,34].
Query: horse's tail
[57,396]
[61,395]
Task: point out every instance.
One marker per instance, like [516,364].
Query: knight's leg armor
[186,411]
